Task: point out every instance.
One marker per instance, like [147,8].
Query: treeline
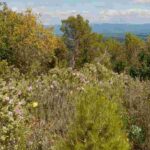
[131,56]
[26,44]
[74,92]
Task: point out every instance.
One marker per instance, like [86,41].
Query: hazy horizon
[97,12]
[115,30]
[106,23]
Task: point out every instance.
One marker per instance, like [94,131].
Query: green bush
[8,72]
[56,93]
[97,124]
[12,115]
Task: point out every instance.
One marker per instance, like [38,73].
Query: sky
[96,11]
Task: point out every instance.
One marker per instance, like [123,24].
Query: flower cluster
[12,113]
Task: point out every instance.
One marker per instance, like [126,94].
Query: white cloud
[142,1]
[50,16]
[105,15]
[125,16]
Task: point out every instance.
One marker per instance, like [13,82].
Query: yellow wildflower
[35,104]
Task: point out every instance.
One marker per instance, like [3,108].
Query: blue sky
[96,11]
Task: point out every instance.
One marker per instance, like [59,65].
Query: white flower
[30,88]
[52,86]
[7,98]
[10,113]
[19,93]
[21,103]
[11,101]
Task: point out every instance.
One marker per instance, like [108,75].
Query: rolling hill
[117,30]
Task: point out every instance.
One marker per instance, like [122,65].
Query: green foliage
[133,46]
[119,66]
[136,134]
[131,57]
[57,94]
[137,104]
[91,107]
[24,41]
[137,57]
[76,32]
[12,114]
[97,124]
[117,54]
[83,45]
[7,72]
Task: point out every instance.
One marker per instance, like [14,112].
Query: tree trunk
[74,55]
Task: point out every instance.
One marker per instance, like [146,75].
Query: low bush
[97,124]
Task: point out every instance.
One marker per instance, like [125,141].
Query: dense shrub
[25,42]
[54,97]
[12,115]
[137,96]
[56,93]
[7,72]
[97,124]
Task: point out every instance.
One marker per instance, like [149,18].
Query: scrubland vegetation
[74,92]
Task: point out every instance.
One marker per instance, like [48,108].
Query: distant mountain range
[117,30]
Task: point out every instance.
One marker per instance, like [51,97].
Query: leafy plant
[97,124]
